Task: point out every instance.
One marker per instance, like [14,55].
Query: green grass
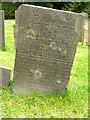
[70,104]
[10,20]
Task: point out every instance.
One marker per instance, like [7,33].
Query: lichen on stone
[38,74]
[53,45]
[31,34]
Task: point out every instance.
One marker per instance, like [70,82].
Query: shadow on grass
[4,49]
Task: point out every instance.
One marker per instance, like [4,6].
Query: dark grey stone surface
[5,76]
[46,46]
[2,38]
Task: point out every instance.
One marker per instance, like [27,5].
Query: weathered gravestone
[15,30]
[84,33]
[17,16]
[15,27]
[46,45]
[5,76]
[89,32]
[2,39]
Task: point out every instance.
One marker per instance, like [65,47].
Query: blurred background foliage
[79,7]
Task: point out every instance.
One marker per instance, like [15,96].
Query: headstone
[16,16]
[5,76]
[15,27]
[88,32]
[2,38]
[46,46]
[84,33]
[15,30]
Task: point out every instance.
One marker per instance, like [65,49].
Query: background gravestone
[16,16]
[2,38]
[84,33]
[46,46]
[15,30]
[15,27]
[89,32]
[5,76]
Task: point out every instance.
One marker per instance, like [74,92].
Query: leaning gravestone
[5,76]
[46,45]
[2,39]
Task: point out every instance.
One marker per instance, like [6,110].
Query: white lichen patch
[58,81]
[64,51]
[53,45]
[32,70]
[86,24]
[38,74]
[30,34]
[21,29]
[61,50]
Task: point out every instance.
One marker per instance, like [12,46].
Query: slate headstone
[2,38]
[46,46]
[5,76]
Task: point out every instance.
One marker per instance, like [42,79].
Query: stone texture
[16,16]
[89,32]
[15,27]
[15,30]
[84,33]
[4,76]
[46,46]
[2,38]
